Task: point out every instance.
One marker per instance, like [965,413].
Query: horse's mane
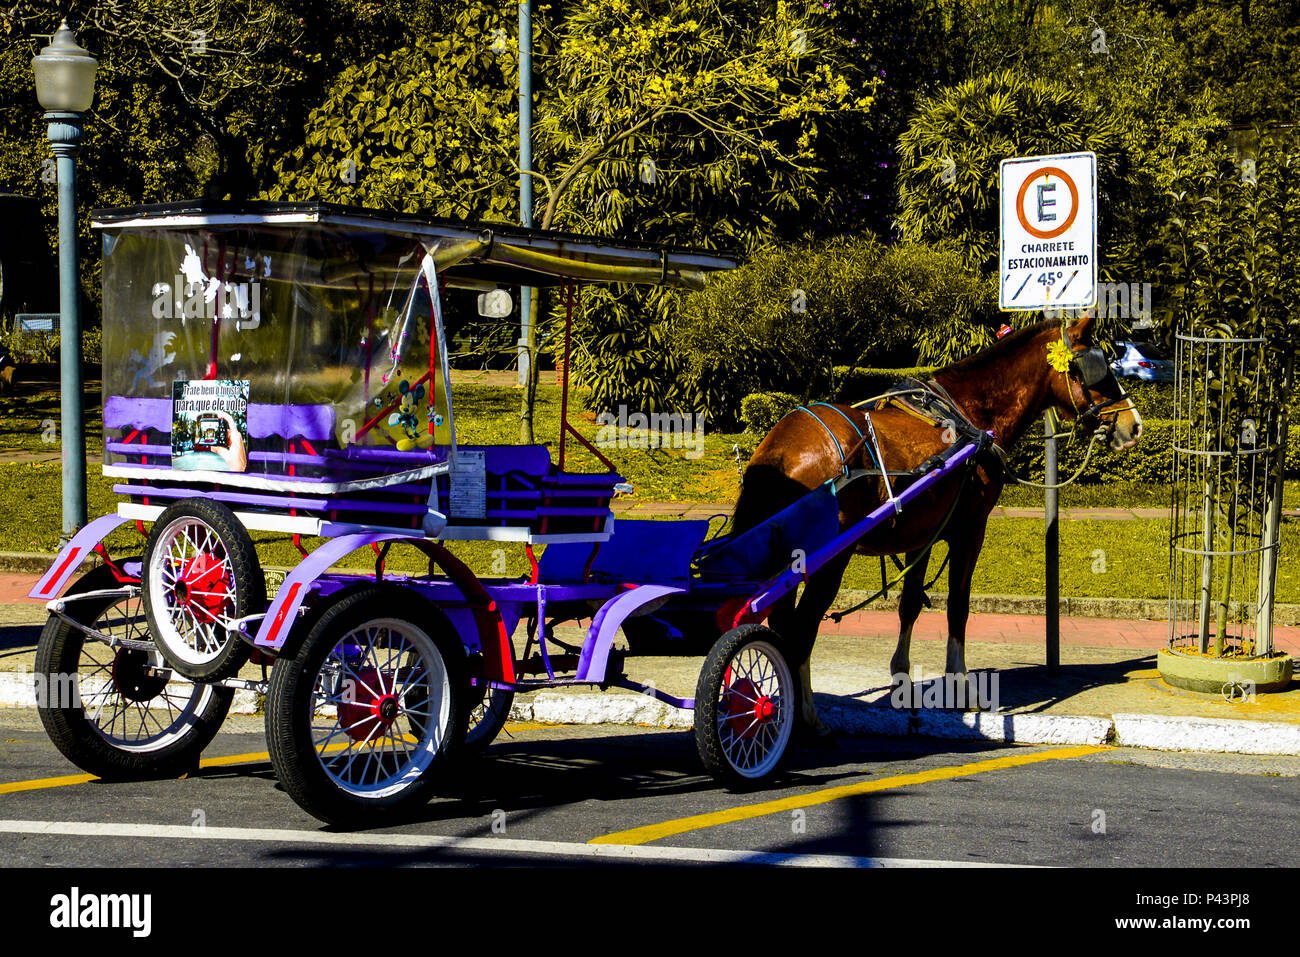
[1011,342]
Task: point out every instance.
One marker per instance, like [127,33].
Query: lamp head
[65,74]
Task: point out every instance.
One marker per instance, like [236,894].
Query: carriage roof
[467,255]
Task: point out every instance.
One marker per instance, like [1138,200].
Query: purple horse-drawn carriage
[284,369]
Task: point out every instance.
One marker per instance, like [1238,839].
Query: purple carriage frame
[588,569]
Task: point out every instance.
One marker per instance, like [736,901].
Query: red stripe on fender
[283,612]
[52,585]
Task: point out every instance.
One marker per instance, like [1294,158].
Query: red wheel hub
[369,714]
[746,709]
[202,585]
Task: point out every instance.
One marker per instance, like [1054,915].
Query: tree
[660,119]
[795,311]
[680,128]
[948,180]
[192,98]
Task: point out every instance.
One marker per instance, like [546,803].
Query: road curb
[1151,732]
[1147,731]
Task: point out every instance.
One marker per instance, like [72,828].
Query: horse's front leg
[818,596]
[909,608]
[964,550]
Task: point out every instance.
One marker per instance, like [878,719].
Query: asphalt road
[543,794]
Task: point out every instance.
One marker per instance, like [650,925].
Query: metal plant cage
[1229,452]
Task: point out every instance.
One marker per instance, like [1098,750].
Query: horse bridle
[1094,369]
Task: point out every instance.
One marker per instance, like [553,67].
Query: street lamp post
[525,168]
[65,88]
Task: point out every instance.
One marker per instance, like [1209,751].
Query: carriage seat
[760,552]
[640,551]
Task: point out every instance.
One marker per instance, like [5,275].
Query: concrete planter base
[1211,675]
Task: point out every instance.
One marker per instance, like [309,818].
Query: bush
[762,410]
[789,317]
[1148,462]
[36,347]
[856,384]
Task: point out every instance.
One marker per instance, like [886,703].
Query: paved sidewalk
[1107,665]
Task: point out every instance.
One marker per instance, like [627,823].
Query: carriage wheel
[201,574]
[489,710]
[118,718]
[745,704]
[361,719]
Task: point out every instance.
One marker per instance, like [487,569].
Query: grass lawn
[1135,552]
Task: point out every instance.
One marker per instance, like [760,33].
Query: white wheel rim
[751,745]
[362,754]
[191,632]
[138,727]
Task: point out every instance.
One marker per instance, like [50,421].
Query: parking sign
[1048,256]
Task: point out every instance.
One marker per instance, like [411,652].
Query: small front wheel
[363,716]
[745,702]
[201,575]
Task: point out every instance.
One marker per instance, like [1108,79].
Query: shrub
[762,410]
[789,317]
[855,384]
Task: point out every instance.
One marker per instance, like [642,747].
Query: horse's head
[1089,392]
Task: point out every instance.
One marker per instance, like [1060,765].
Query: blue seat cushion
[807,525]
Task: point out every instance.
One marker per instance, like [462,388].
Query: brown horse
[1003,389]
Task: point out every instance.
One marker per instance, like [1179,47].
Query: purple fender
[606,623]
[284,609]
[72,554]
[489,619]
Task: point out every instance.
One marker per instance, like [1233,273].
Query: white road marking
[627,852]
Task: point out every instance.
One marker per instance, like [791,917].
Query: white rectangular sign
[468,481]
[1048,256]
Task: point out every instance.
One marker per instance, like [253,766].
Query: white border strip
[274,483]
[258,521]
[612,852]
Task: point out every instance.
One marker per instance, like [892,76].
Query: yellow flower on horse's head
[1058,356]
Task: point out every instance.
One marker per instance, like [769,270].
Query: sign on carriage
[1048,257]
[210,425]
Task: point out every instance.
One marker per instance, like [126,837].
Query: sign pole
[1052,549]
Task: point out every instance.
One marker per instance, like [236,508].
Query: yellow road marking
[251,757]
[653,832]
[39,783]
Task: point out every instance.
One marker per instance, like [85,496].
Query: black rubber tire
[480,734]
[59,652]
[289,709]
[246,579]
[708,737]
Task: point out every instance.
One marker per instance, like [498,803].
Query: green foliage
[423,129]
[36,347]
[794,313]
[677,127]
[948,178]
[856,384]
[1148,463]
[762,410]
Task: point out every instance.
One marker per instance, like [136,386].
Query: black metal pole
[1052,552]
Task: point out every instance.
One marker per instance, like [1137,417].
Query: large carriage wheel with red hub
[113,711]
[745,702]
[201,575]
[362,718]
